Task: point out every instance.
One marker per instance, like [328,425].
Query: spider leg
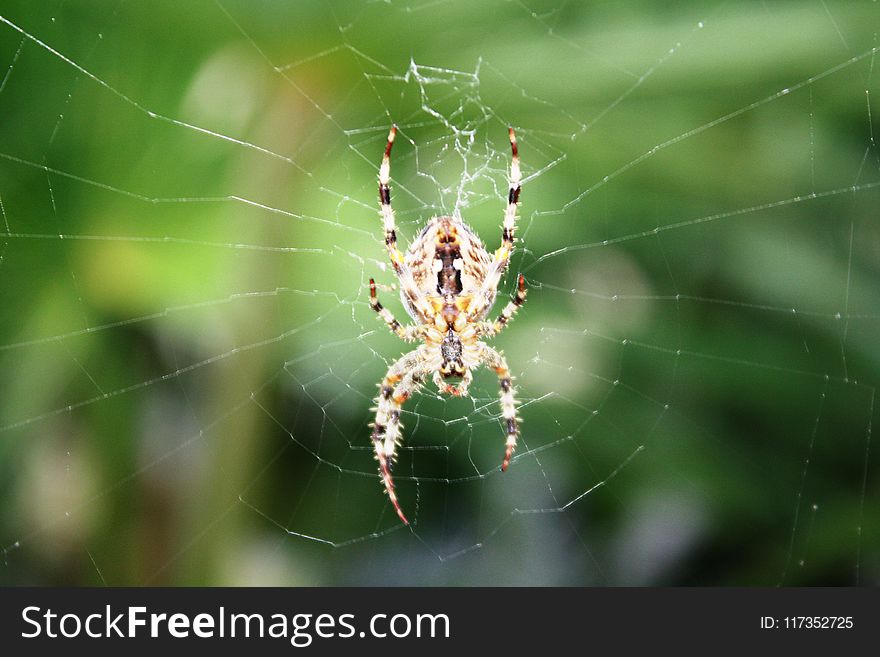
[408,333]
[397,261]
[491,329]
[402,379]
[509,225]
[508,404]
[508,228]
[385,196]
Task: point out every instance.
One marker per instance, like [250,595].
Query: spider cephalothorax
[448,283]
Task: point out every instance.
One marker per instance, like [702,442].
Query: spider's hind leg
[508,226]
[403,273]
[385,194]
[501,258]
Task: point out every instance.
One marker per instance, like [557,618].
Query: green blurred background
[188,358]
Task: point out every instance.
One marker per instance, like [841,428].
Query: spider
[448,282]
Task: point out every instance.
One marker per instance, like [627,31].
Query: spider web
[189,358]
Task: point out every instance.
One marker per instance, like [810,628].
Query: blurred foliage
[187,358]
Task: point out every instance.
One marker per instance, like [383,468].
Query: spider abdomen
[449,276]
[448,262]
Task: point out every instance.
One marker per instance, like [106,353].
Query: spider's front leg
[508,404]
[402,379]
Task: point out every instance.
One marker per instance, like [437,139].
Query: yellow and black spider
[448,282]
